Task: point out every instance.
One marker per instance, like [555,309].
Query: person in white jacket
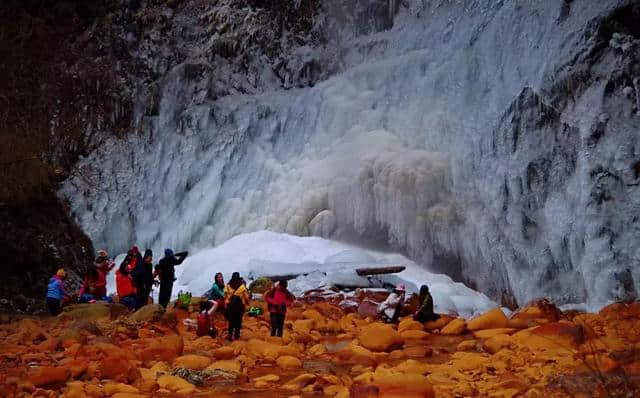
[389,309]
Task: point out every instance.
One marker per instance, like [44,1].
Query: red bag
[203,324]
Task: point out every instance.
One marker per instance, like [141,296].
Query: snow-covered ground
[270,253]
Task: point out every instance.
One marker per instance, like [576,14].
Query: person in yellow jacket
[236,298]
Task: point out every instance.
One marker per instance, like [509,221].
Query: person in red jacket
[125,287]
[104,265]
[278,298]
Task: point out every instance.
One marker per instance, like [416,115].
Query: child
[56,292]
[278,298]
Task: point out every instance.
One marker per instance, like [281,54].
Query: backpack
[184,299]
[204,326]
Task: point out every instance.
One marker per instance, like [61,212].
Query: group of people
[391,308]
[135,278]
[136,275]
[233,298]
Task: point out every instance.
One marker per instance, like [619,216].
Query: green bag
[255,311]
[184,299]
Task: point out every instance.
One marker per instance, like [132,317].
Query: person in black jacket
[165,269]
[143,278]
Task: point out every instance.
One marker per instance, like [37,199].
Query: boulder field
[100,351]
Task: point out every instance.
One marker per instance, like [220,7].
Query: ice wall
[494,140]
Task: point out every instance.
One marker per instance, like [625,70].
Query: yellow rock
[300,382]
[455,327]
[315,315]
[174,383]
[197,362]
[488,333]
[439,323]
[467,345]
[317,350]
[379,337]
[409,324]
[113,388]
[463,361]
[289,362]
[497,342]
[128,395]
[304,326]
[414,335]
[231,365]
[93,391]
[336,391]
[226,352]
[490,320]
[267,378]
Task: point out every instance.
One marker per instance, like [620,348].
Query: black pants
[143,296]
[277,324]
[54,306]
[235,324]
[425,317]
[165,293]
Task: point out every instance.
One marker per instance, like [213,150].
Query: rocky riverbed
[99,350]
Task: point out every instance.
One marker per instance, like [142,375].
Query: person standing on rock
[278,299]
[104,265]
[143,278]
[166,271]
[56,292]
[389,309]
[425,311]
[236,297]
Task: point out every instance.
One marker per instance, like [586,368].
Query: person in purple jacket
[56,292]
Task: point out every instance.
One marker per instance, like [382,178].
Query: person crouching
[125,287]
[390,309]
[278,299]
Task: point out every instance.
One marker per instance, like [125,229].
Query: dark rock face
[38,238]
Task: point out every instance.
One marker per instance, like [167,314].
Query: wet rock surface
[555,355]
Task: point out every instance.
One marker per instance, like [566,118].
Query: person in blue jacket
[56,292]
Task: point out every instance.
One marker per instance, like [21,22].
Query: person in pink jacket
[278,299]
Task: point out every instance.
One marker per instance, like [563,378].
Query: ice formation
[491,140]
[324,261]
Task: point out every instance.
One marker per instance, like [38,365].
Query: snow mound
[324,262]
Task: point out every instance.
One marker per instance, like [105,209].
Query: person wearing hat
[389,309]
[104,265]
[165,270]
[56,292]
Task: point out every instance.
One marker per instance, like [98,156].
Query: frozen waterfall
[447,137]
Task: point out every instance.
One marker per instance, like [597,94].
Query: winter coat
[55,289]
[215,293]
[390,305]
[426,306]
[124,285]
[241,292]
[143,275]
[167,264]
[278,300]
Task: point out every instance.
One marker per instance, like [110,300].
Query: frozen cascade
[463,136]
